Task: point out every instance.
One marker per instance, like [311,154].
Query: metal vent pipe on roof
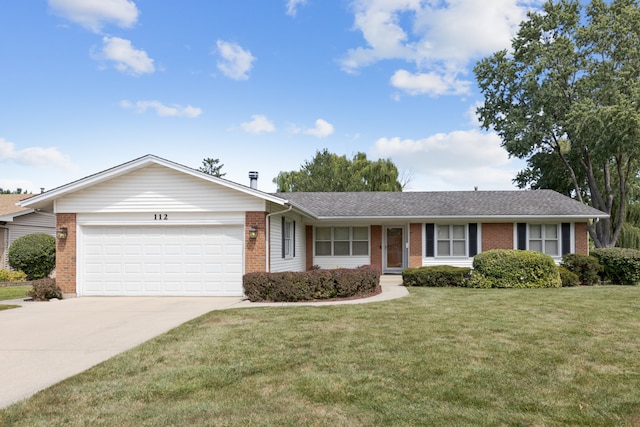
[253,180]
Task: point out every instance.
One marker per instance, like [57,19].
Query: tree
[330,172]
[567,99]
[212,167]
[17,191]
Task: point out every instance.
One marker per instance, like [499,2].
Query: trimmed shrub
[509,268]
[12,276]
[620,266]
[568,277]
[44,289]
[436,276]
[35,254]
[310,285]
[586,267]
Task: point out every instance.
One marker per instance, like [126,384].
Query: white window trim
[288,226]
[351,240]
[543,239]
[451,240]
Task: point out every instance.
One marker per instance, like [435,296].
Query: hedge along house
[154,227]
[17,221]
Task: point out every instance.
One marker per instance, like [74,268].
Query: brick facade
[66,255]
[497,236]
[415,245]
[582,238]
[376,246]
[255,255]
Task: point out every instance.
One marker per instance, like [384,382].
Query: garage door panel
[169,260]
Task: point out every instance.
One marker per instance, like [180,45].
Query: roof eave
[458,218]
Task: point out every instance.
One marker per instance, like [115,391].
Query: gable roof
[45,200]
[445,204]
[8,207]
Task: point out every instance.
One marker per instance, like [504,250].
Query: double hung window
[342,241]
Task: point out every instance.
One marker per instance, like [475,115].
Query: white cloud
[234,62]
[34,156]
[127,58]
[162,110]
[258,124]
[430,83]
[456,160]
[321,130]
[292,6]
[441,38]
[94,14]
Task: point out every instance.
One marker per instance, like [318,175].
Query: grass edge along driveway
[446,356]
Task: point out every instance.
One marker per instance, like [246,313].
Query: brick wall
[497,236]
[415,245]
[582,238]
[255,249]
[66,255]
[376,246]
[309,246]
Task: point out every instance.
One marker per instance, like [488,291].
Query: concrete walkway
[42,343]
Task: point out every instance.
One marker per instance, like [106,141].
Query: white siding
[297,263]
[455,262]
[159,189]
[36,222]
[341,261]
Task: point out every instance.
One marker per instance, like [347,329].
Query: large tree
[566,98]
[330,172]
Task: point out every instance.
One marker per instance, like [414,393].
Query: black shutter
[284,223]
[473,239]
[522,236]
[565,232]
[430,239]
[293,240]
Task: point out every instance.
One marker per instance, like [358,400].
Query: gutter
[267,233]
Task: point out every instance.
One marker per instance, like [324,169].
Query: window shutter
[293,240]
[565,232]
[473,239]
[430,239]
[522,236]
[284,223]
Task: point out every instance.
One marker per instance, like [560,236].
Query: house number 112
[160,217]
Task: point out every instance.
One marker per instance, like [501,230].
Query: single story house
[17,221]
[154,227]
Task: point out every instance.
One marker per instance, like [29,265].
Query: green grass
[441,356]
[13,292]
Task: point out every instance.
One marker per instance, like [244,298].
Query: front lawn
[441,356]
[14,292]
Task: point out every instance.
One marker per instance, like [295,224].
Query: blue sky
[260,84]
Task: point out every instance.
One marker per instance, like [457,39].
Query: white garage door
[163,260]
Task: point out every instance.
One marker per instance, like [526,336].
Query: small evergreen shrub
[586,267]
[12,276]
[44,289]
[436,276]
[509,268]
[568,277]
[310,285]
[35,254]
[620,266]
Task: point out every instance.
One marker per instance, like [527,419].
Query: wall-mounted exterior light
[62,233]
[253,232]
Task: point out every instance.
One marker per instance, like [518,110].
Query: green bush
[35,254]
[508,268]
[44,289]
[436,276]
[586,267]
[310,285]
[568,277]
[620,266]
[12,276]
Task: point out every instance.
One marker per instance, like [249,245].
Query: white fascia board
[461,218]
[49,196]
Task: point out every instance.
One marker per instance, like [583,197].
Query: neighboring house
[17,221]
[154,227]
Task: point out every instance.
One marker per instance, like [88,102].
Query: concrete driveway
[43,343]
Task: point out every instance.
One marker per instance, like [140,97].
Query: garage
[161,260]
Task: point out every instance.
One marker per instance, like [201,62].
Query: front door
[394,250]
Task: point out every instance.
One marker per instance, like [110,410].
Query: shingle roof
[523,203]
[8,203]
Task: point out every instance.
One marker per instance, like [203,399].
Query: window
[288,238]
[342,241]
[451,240]
[544,238]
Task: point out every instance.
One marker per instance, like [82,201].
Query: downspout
[267,233]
